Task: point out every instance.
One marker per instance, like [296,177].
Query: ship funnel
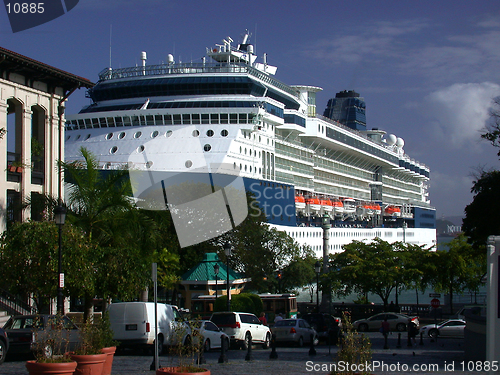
[143,58]
[170,58]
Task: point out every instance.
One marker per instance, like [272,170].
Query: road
[446,354]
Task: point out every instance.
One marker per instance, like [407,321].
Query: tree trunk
[88,309]
[144,295]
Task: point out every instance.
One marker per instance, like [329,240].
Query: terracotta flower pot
[108,364]
[62,368]
[89,364]
[179,371]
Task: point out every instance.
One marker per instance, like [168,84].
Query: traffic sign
[435,303]
[435,295]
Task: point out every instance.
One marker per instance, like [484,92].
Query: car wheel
[401,327]
[363,327]
[300,343]
[3,351]
[206,347]
[246,343]
[267,340]
[433,333]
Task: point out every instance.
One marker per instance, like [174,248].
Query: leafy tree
[30,249]
[482,219]
[101,206]
[492,133]
[457,269]
[366,268]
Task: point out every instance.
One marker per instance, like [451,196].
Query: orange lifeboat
[313,204]
[326,205]
[392,211]
[338,207]
[300,202]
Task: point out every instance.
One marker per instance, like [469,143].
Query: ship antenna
[110,33]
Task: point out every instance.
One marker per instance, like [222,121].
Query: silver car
[296,331]
[447,328]
[397,322]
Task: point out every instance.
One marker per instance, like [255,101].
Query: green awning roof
[205,270]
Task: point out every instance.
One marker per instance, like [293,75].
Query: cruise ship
[303,169]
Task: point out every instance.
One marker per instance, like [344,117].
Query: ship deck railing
[193,68]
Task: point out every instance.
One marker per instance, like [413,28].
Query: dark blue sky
[428,70]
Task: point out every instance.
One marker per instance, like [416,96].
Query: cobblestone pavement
[447,354]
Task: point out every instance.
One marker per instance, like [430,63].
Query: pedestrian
[278,317]
[412,331]
[262,318]
[385,327]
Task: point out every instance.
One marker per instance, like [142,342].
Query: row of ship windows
[152,120]
[307,234]
[156,133]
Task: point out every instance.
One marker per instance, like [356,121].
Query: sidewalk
[446,354]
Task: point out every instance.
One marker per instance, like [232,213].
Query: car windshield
[285,323]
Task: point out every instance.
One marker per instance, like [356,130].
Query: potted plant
[49,347]
[89,356]
[189,345]
[107,342]
[355,349]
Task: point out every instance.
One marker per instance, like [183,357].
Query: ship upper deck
[172,69]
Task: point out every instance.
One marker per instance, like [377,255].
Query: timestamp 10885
[24,8]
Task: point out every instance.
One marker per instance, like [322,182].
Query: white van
[133,324]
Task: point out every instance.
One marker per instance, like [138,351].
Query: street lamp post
[227,251]
[216,271]
[326,226]
[60,218]
[317,268]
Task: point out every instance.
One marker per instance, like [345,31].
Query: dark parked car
[30,333]
[4,345]
[327,326]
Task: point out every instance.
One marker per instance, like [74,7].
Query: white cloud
[459,113]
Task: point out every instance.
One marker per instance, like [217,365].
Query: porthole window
[188,164]
[168,133]
[210,133]
[224,133]
[121,135]
[68,137]
[207,147]
[87,137]
[77,137]
[138,135]
[140,148]
[154,134]
[149,164]
[196,133]
[109,136]
[113,150]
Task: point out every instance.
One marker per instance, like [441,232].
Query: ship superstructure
[299,166]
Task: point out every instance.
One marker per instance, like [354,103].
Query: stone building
[32,102]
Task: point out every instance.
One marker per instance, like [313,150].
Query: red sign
[435,303]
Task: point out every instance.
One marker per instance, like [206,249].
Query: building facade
[32,102]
